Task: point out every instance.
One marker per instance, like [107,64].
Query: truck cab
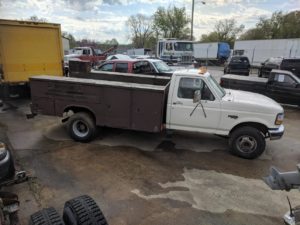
[198,103]
[284,86]
[175,51]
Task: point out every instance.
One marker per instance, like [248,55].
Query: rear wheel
[83,210]
[48,216]
[82,127]
[247,142]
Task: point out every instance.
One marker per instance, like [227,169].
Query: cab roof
[197,72]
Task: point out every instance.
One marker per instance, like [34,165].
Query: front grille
[186,59]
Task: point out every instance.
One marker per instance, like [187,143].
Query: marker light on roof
[202,70]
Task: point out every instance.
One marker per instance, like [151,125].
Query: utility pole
[192,22]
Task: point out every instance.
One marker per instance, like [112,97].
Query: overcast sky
[106,19]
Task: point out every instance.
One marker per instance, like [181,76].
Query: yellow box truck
[26,49]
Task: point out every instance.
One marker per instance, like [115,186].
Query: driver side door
[182,116]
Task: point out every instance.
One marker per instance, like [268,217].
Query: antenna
[291,210]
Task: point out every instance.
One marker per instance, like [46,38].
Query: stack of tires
[82,210]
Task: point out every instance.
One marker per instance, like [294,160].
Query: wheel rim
[80,128]
[246,144]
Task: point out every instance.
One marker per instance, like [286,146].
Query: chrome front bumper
[276,133]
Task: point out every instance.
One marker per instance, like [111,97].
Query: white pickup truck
[192,100]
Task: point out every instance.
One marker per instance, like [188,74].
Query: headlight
[3,151]
[279,119]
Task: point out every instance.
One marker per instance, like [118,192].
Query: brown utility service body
[117,100]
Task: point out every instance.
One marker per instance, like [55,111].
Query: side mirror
[197,96]
[263,64]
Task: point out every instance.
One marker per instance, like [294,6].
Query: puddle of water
[218,192]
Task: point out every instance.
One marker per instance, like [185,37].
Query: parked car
[138,66]
[268,65]
[290,64]
[239,65]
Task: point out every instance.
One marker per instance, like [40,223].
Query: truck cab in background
[175,51]
[86,54]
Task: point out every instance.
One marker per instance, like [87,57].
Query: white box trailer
[138,51]
[211,51]
[206,50]
[260,50]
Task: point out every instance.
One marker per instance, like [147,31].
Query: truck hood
[71,56]
[251,102]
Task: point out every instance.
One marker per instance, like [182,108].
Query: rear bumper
[276,133]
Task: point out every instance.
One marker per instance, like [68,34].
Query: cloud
[112,2]
[106,19]
[207,16]
[79,4]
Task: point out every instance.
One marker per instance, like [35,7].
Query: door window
[86,52]
[188,86]
[107,67]
[122,67]
[283,80]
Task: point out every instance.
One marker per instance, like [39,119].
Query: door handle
[177,103]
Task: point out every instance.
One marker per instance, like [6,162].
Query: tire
[247,142]
[48,216]
[83,210]
[82,127]
[259,73]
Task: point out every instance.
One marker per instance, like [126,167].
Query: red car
[138,66]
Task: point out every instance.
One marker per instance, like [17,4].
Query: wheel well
[261,127]
[76,109]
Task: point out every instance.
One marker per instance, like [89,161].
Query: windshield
[162,66]
[78,51]
[220,91]
[183,46]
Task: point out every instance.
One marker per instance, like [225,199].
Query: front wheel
[82,127]
[247,142]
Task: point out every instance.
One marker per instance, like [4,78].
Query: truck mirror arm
[199,103]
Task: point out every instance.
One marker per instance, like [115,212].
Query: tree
[280,25]
[111,42]
[226,30]
[71,38]
[172,22]
[141,30]
[36,19]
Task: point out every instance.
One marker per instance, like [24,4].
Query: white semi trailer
[260,50]
[211,51]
